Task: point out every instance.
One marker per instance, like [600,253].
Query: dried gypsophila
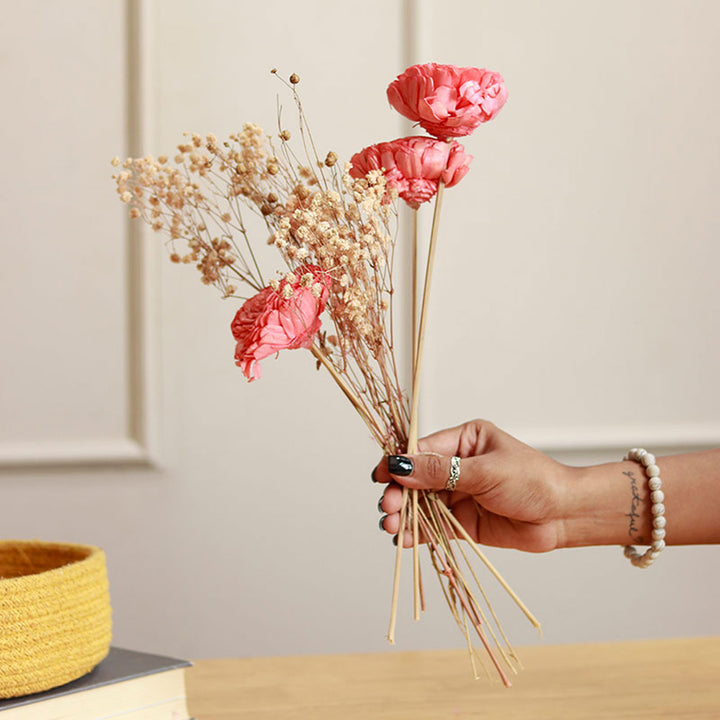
[322,217]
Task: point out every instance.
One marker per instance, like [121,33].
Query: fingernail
[381,524]
[372,476]
[380,502]
[400,465]
[395,540]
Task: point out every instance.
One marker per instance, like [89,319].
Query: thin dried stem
[508,653]
[413,290]
[416,557]
[466,536]
[347,390]
[398,563]
[412,433]
[413,360]
[466,603]
[440,542]
[470,647]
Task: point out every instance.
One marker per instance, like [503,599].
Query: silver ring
[454,473]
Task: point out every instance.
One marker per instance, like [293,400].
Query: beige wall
[575,304]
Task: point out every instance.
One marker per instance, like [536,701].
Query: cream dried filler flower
[334,228]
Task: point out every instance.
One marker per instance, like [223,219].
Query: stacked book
[127,685]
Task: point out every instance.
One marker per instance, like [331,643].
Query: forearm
[610,504]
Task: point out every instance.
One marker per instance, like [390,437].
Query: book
[126,685]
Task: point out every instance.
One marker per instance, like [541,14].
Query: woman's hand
[507,495]
[510,495]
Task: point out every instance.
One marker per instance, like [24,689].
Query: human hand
[507,495]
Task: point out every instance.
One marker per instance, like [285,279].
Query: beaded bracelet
[647,460]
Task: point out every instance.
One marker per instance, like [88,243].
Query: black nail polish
[400,465]
[380,502]
[395,540]
[381,524]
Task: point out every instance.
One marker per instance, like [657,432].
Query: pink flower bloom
[447,101]
[414,165]
[285,318]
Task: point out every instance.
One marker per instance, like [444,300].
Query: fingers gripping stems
[426,471]
[454,473]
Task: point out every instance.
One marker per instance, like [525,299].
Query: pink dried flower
[446,100]
[282,318]
[414,165]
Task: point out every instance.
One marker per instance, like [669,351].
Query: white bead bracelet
[647,460]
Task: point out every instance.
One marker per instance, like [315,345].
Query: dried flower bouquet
[335,232]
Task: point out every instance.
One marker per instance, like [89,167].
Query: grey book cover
[119,666]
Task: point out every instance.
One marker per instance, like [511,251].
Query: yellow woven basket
[55,617]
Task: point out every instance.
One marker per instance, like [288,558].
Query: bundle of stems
[427,518]
[342,228]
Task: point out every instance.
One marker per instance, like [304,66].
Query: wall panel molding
[140,445]
[421,44]
[46,453]
[143,255]
[677,437]
[417,25]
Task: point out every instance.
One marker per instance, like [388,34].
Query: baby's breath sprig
[315,214]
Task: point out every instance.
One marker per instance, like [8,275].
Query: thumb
[424,471]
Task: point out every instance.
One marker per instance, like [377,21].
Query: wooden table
[677,679]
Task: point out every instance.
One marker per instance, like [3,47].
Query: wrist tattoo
[635,506]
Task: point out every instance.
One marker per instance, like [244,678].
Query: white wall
[575,304]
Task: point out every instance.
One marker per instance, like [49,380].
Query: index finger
[444,442]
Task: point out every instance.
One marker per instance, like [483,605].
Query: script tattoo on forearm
[634,515]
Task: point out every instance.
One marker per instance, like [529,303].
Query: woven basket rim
[55,614]
[77,555]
